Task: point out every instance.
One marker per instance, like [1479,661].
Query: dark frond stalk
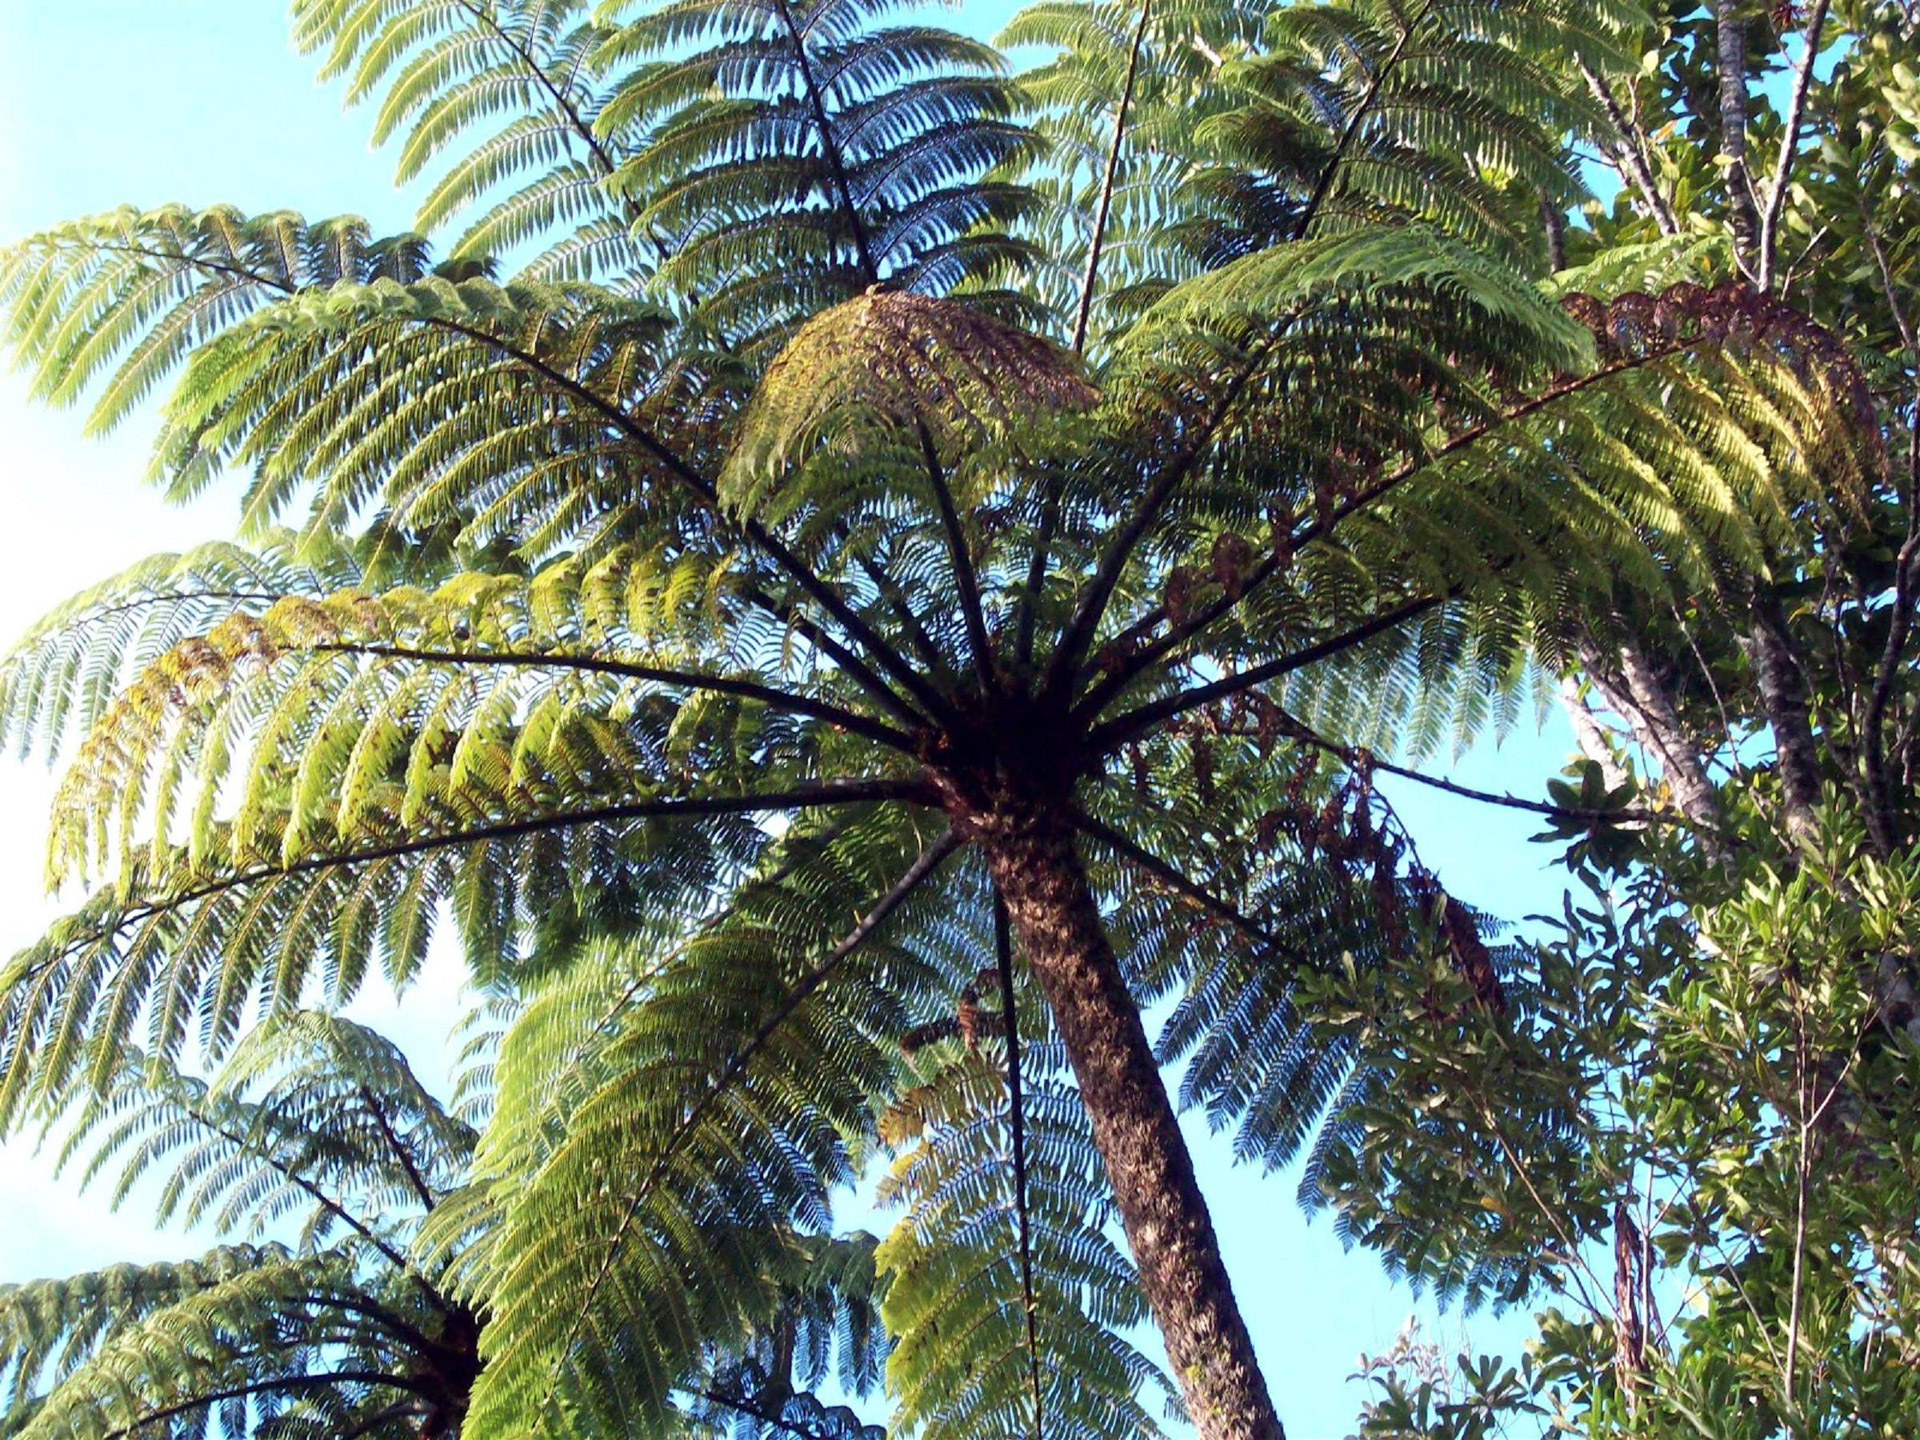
[408,1166]
[1323,186]
[829,143]
[827,645]
[1103,206]
[1363,759]
[263,1387]
[1093,605]
[964,576]
[569,112]
[1776,203]
[1318,529]
[759,1413]
[769,695]
[703,489]
[1083,311]
[887,587]
[830,792]
[1017,1123]
[1170,877]
[1122,728]
[1028,844]
[334,1207]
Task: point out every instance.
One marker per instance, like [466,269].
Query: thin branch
[1789,141]
[929,860]
[1104,206]
[1632,153]
[1730,53]
[1017,1122]
[769,695]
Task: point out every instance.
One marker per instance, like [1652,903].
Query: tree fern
[823,547]
[315,1127]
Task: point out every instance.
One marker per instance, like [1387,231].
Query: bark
[1553,224]
[1587,733]
[1783,695]
[1635,692]
[1030,852]
[1730,49]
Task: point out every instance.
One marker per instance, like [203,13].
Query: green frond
[961,1363]
[710,1108]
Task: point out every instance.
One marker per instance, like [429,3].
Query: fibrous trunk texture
[1030,852]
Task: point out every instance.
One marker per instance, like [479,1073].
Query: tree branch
[1730,51]
[1789,142]
[1632,155]
[569,112]
[703,489]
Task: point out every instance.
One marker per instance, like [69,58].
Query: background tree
[1706,1078]
[807,467]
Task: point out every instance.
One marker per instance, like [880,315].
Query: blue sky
[111,101]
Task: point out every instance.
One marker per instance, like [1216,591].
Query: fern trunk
[1030,852]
